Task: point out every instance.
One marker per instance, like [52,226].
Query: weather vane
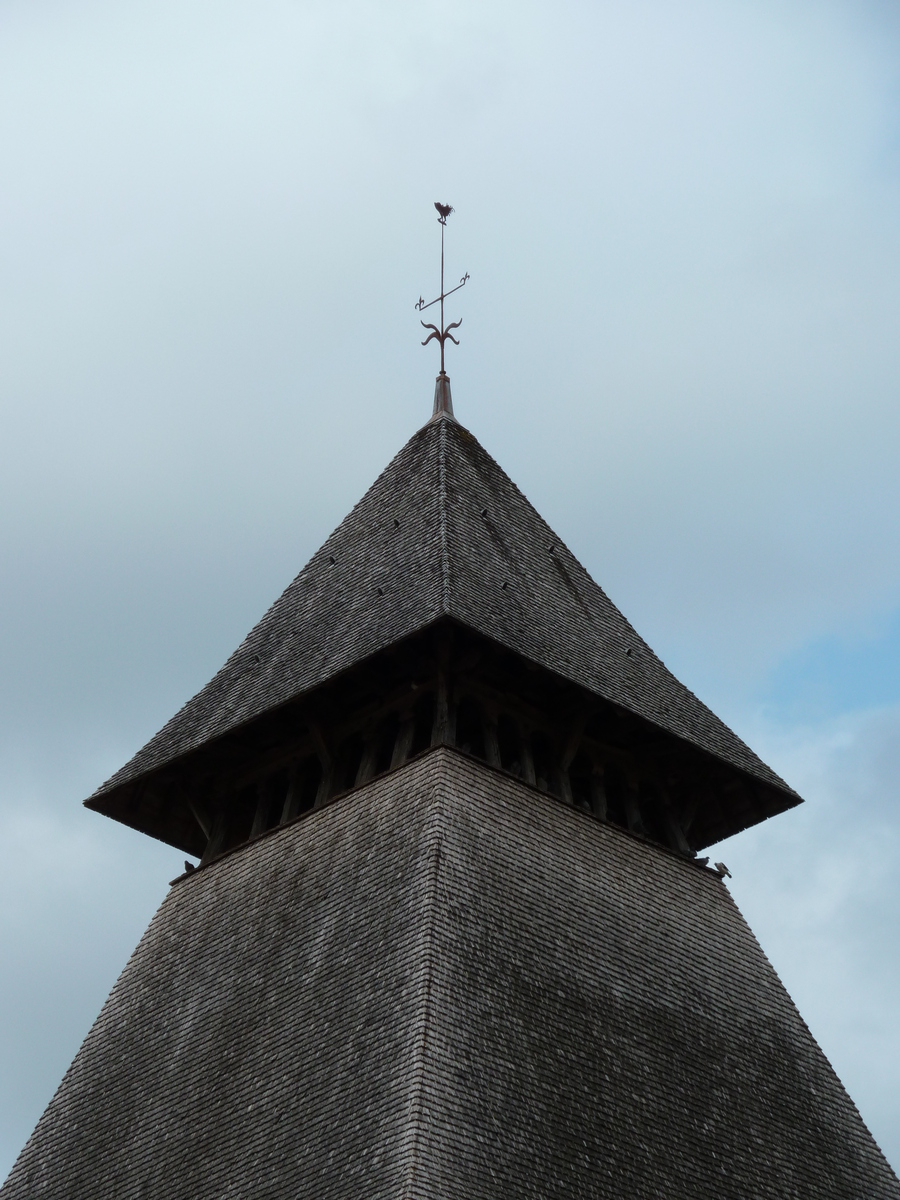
[441,335]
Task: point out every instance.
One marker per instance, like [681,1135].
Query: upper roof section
[442,533]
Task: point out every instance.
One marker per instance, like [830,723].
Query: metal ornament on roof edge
[442,399]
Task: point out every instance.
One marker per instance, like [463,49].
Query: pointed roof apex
[443,402]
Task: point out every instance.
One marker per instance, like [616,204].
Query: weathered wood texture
[447,985]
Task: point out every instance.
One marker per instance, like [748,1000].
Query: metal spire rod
[441,334]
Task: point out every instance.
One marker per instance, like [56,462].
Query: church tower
[452,934]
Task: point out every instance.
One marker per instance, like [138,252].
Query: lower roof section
[448,985]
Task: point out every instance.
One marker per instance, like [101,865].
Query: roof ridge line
[442,505]
[420,1034]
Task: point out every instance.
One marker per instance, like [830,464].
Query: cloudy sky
[682,224]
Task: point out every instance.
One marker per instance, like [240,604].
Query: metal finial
[441,334]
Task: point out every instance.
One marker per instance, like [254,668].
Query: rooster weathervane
[436,334]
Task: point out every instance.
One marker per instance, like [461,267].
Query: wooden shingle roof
[449,985]
[442,533]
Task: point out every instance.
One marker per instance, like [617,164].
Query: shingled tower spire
[450,936]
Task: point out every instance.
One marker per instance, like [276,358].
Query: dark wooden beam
[525,755]
[368,762]
[404,740]
[217,835]
[676,835]
[326,758]
[573,741]
[489,723]
[201,817]
[570,749]
[443,732]
[261,813]
[598,793]
[291,796]
[633,807]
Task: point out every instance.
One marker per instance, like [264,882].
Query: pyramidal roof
[442,533]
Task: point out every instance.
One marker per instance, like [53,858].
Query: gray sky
[682,223]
